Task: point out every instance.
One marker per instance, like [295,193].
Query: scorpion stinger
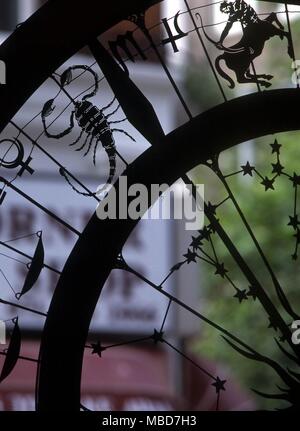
[92,121]
[66,78]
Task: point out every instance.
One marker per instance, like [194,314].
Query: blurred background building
[142,376]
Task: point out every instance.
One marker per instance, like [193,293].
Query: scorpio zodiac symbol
[256,32]
[92,120]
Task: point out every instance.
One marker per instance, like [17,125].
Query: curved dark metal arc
[35,43]
[96,251]
[52,35]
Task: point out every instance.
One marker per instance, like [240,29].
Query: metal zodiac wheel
[196,142]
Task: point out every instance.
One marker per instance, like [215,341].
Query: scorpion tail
[222,73]
[111,153]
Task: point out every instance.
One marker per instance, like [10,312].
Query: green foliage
[201,86]
[267,213]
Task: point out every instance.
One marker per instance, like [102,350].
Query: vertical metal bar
[205,51]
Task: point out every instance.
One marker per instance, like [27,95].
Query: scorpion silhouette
[92,121]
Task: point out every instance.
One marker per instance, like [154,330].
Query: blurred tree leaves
[268,214]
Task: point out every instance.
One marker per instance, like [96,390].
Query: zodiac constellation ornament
[12,354]
[14,163]
[18,160]
[92,120]
[256,32]
[59,387]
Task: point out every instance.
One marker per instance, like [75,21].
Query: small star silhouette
[219,385]
[294,221]
[157,337]
[241,295]
[268,183]
[282,339]
[275,147]
[295,180]
[204,233]
[252,292]
[190,256]
[196,243]
[277,168]
[211,209]
[221,270]
[211,228]
[248,169]
[97,349]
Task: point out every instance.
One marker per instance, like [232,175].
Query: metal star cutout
[241,295]
[157,337]
[211,209]
[97,349]
[196,243]
[248,169]
[211,228]
[295,180]
[282,339]
[277,168]
[252,292]
[190,256]
[204,233]
[221,270]
[268,183]
[275,147]
[294,221]
[219,385]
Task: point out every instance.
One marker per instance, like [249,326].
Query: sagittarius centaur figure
[255,33]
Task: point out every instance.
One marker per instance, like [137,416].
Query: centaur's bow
[223,48]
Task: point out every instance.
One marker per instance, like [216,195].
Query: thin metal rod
[291,40]
[25,358]
[35,143]
[31,310]
[166,315]
[191,310]
[279,290]
[21,253]
[206,51]
[190,360]
[248,273]
[170,77]
[38,205]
